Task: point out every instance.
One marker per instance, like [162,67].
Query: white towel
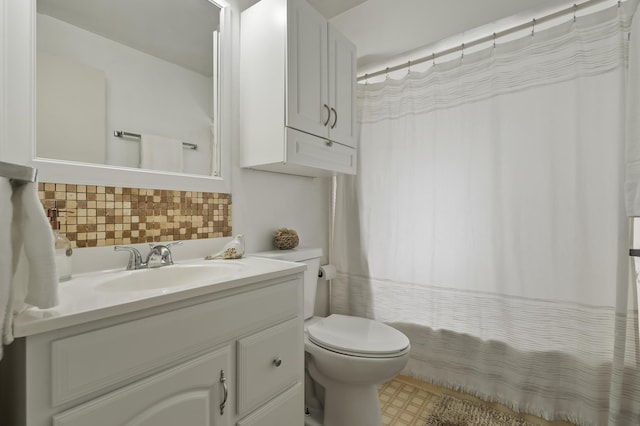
[160,153]
[31,243]
[6,266]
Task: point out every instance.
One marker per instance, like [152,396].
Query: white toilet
[347,356]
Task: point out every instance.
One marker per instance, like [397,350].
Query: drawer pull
[277,362]
[223,380]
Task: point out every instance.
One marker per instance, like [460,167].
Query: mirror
[130,85]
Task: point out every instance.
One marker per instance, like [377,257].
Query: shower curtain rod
[492,37]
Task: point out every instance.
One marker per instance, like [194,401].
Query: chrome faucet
[158,256]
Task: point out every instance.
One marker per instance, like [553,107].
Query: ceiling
[331,8]
[383,29]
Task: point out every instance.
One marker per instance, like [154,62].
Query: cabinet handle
[277,362]
[223,380]
[335,118]
[328,115]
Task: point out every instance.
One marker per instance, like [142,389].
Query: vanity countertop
[88,297]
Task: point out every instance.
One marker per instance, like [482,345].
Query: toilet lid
[357,336]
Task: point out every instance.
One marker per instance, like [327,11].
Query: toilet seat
[358,337]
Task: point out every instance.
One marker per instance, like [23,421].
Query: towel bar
[18,174]
[122,134]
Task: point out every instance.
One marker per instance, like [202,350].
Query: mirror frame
[59,171]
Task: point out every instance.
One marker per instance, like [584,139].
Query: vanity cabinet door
[190,394]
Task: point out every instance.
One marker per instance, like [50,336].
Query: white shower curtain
[487,222]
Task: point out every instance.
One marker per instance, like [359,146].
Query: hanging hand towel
[31,235]
[6,269]
[160,153]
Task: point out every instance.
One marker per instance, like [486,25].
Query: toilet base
[348,404]
[352,405]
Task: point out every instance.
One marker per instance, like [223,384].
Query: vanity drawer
[269,362]
[90,362]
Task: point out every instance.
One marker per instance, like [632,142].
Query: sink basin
[167,277]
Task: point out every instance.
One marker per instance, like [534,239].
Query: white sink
[167,277]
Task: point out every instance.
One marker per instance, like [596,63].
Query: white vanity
[126,347]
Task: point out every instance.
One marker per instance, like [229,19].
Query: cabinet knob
[329,143]
[335,118]
[328,114]
[277,362]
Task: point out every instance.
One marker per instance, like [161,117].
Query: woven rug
[450,411]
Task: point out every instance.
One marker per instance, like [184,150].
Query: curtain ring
[533,27]
[387,74]
[575,8]
[494,40]
[462,48]
[408,67]
[366,79]
[433,58]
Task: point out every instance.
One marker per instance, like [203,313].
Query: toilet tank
[310,257]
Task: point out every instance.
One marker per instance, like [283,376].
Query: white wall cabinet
[298,76]
[227,358]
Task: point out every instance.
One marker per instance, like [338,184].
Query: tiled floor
[406,401]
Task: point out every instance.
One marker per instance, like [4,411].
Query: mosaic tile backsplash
[94,216]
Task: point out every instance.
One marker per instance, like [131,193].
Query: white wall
[264,202]
[144,94]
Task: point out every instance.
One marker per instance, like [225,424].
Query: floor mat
[450,411]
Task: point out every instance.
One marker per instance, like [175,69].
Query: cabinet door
[189,394]
[342,89]
[307,72]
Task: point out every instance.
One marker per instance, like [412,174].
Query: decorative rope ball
[285,239]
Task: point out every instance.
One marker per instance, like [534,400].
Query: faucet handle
[160,244]
[160,255]
[135,258]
